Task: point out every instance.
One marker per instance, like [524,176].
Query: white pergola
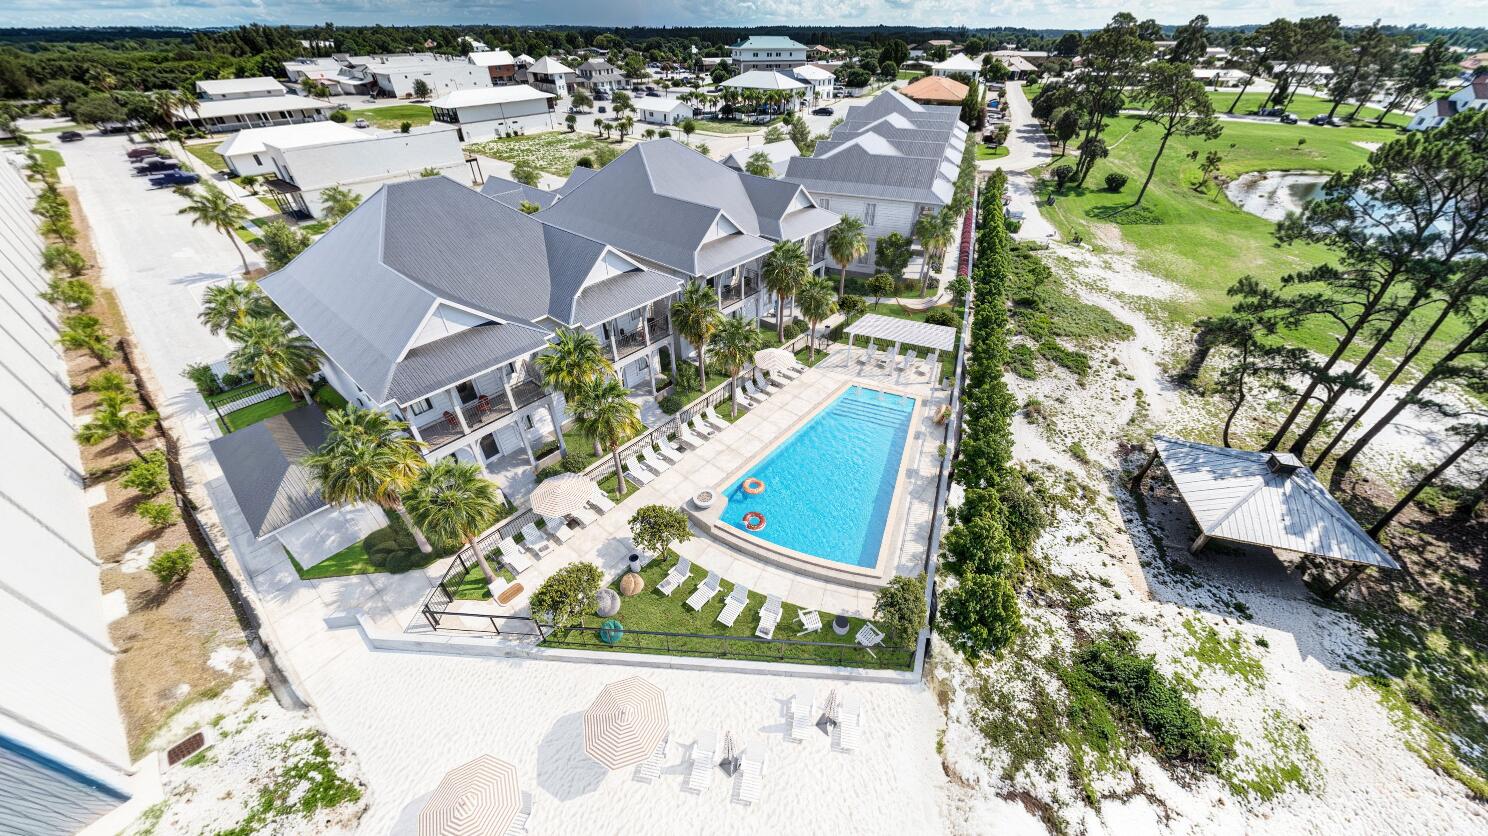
[900,332]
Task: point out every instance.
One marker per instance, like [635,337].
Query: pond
[1272,194]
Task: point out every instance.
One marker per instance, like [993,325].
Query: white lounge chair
[769,617]
[558,528]
[930,366]
[751,774]
[754,393]
[743,397]
[703,753]
[523,820]
[650,769]
[634,471]
[513,556]
[675,576]
[690,438]
[907,360]
[585,516]
[665,450]
[713,420]
[887,359]
[705,591]
[802,710]
[657,464]
[849,723]
[869,637]
[767,383]
[867,357]
[600,501]
[535,541]
[810,621]
[737,600]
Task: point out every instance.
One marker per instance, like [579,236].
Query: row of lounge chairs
[538,542]
[845,711]
[890,360]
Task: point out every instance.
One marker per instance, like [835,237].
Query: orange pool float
[753,486]
[754,521]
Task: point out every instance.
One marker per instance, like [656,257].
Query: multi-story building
[889,161]
[599,76]
[1473,96]
[223,89]
[301,171]
[766,52]
[551,76]
[495,111]
[500,64]
[397,75]
[236,103]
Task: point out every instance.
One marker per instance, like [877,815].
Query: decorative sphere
[631,584]
[609,603]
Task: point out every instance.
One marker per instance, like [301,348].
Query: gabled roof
[253,140]
[768,42]
[957,63]
[810,72]
[1241,496]
[261,464]
[512,193]
[251,104]
[476,96]
[764,80]
[778,152]
[549,66]
[935,88]
[229,86]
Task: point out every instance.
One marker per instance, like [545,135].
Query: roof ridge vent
[1283,464]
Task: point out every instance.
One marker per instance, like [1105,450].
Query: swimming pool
[828,487]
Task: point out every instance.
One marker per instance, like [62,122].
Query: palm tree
[786,267]
[368,457]
[274,353]
[847,243]
[210,206]
[234,303]
[574,359]
[113,421]
[454,502]
[605,413]
[338,202]
[817,303]
[738,339]
[696,317]
[934,229]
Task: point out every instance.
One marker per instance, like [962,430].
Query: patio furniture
[584,516]
[675,576]
[483,404]
[479,795]
[655,462]
[704,499]
[751,774]
[887,358]
[607,603]
[632,584]
[712,419]
[598,499]
[867,357]
[510,593]
[705,592]
[671,452]
[511,555]
[929,365]
[840,625]
[701,774]
[737,600]
[769,617]
[535,540]
[869,637]
[524,816]
[633,470]
[907,360]
[766,383]
[802,706]
[450,420]
[611,631]
[625,722]
[688,437]
[849,723]
[558,528]
[650,770]
[810,621]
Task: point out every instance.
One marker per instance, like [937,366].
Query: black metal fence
[750,648]
[447,613]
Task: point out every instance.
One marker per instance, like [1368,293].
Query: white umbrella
[561,495]
[625,722]
[480,798]
[774,359]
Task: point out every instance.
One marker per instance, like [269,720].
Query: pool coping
[862,577]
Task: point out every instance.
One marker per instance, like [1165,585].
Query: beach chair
[743,398]
[713,420]
[753,392]
[633,470]
[656,463]
[802,709]
[767,382]
[751,775]
[705,592]
[512,555]
[866,357]
[650,769]
[769,617]
[584,516]
[737,600]
[688,437]
[907,360]
[702,429]
[675,576]
[558,529]
[886,360]
[810,621]
[929,366]
[849,723]
[600,501]
[665,450]
[869,637]
[535,541]
[703,753]
[523,820]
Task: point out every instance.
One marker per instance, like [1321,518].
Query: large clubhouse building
[431,300]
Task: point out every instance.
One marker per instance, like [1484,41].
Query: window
[825,203]
[256,160]
[420,407]
[870,212]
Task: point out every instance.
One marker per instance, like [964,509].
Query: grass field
[50,158]
[554,152]
[249,415]
[1305,106]
[207,153]
[985,153]
[1200,240]
[725,128]
[393,116]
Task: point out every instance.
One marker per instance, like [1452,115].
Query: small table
[508,594]
[840,625]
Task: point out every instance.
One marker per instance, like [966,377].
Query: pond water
[1272,194]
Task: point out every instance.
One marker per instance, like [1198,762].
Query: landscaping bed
[555,152]
[392,117]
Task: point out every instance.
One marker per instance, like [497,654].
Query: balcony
[441,431]
[528,392]
[485,409]
[730,294]
[659,329]
[628,344]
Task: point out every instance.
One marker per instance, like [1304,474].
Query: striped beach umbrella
[561,495]
[625,723]
[480,798]
[774,359]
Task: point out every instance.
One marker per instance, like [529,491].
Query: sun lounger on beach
[512,555]
[675,576]
[769,617]
[600,501]
[810,621]
[558,528]
[802,709]
[634,471]
[705,592]
[751,774]
[849,723]
[737,600]
[535,541]
[703,753]
[869,637]
[650,770]
[523,820]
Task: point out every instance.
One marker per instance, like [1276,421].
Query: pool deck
[605,541]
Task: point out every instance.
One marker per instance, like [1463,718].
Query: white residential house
[779,153]
[551,76]
[599,76]
[495,111]
[246,151]
[770,81]
[1472,96]
[958,64]
[234,114]
[224,89]
[823,83]
[395,75]
[301,172]
[767,52]
[500,65]
[655,110]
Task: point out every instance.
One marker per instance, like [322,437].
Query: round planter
[631,584]
[635,562]
[704,500]
[609,603]
[840,625]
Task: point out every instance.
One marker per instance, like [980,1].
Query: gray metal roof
[511,193]
[460,356]
[1235,495]
[891,329]
[261,463]
[608,299]
[853,170]
[575,178]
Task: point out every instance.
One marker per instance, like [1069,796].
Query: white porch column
[459,410]
[651,370]
[551,403]
[526,445]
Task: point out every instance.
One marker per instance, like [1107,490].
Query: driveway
[1028,146]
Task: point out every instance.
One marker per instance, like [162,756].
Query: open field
[393,116]
[1200,240]
[1305,106]
[725,128]
[207,153]
[554,152]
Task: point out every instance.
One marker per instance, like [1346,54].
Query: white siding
[888,216]
[491,120]
[364,166]
[441,76]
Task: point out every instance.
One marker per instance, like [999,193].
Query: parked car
[343,106]
[650,88]
[600,108]
[1270,111]
[360,123]
[600,96]
[156,166]
[140,152]
[823,111]
[70,136]
[1288,118]
[1324,119]
[171,179]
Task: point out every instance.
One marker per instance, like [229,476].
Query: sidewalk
[1028,146]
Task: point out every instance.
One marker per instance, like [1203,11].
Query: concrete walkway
[1028,145]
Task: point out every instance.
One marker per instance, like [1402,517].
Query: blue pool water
[828,486]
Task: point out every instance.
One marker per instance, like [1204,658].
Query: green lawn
[652,611]
[1201,241]
[983,152]
[391,117]
[353,559]
[207,153]
[473,586]
[724,128]
[1304,105]
[51,158]
[554,152]
[233,394]
[909,75]
[250,415]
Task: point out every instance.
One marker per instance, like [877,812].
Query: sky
[1027,13]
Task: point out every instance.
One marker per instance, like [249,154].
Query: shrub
[568,593]
[1076,361]
[1021,361]
[979,546]
[549,472]
[231,380]
[157,514]
[62,258]
[941,316]
[654,528]
[1023,515]
[339,116]
[672,404]
[72,293]
[980,615]
[576,461]
[1062,175]
[584,162]
[149,475]
[1115,181]
[202,376]
[405,127]
[172,565]
[900,609]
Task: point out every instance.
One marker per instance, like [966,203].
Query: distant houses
[495,111]
[656,110]
[238,103]
[551,76]
[767,52]
[957,64]
[1472,96]
[302,171]
[501,66]
[599,76]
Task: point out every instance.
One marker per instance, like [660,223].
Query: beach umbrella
[479,798]
[774,359]
[730,760]
[625,722]
[561,495]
